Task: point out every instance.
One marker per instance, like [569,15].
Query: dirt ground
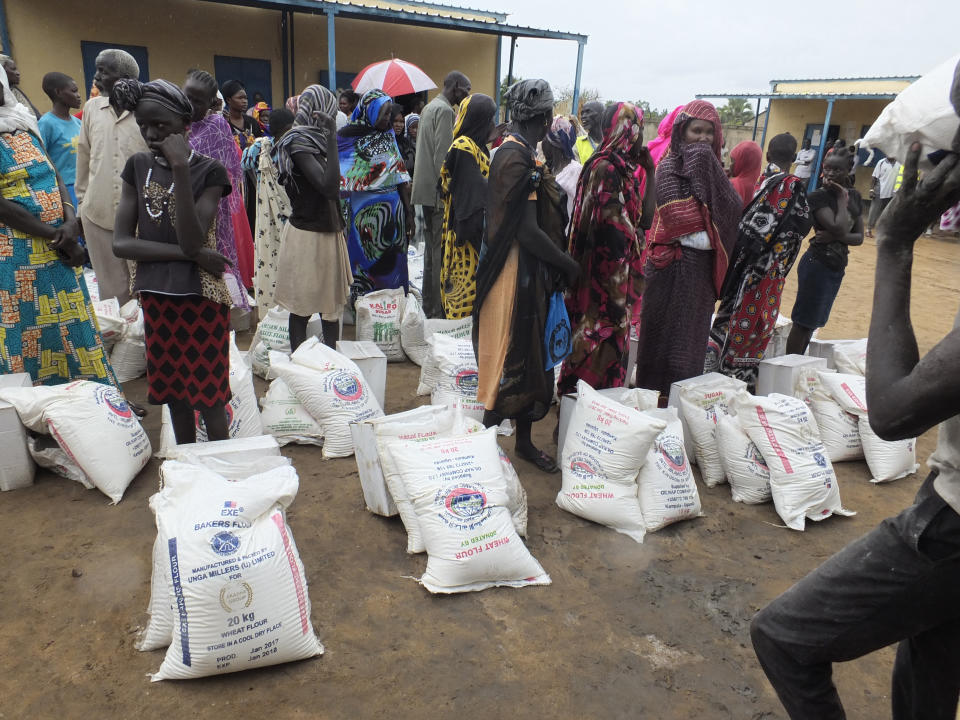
[657,630]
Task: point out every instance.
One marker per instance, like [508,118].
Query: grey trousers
[432,261]
[113,273]
[899,583]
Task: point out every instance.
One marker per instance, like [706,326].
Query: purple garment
[212,137]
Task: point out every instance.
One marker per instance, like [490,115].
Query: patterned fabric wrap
[47,325]
[369,158]
[273,209]
[212,137]
[607,240]
[770,235]
[694,194]
[563,135]
[307,133]
[376,241]
[188,350]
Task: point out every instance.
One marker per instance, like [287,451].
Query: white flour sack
[887,460]
[605,446]
[412,338]
[237,581]
[667,490]
[332,389]
[702,405]
[378,319]
[129,354]
[284,417]
[428,423]
[839,429]
[273,333]
[851,357]
[93,424]
[457,378]
[109,320]
[459,494]
[802,480]
[744,466]
[459,329]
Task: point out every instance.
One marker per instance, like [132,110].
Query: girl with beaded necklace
[166,223]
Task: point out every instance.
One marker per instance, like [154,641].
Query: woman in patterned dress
[47,326]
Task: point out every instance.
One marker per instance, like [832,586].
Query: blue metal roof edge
[367,12]
[911,78]
[801,96]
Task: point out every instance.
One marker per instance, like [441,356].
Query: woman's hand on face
[919,202]
[211,261]
[645,160]
[176,150]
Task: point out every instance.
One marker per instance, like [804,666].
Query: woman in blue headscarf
[373,183]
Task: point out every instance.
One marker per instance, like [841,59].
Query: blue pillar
[513,48]
[496,75]
[4,31]
[766,121]
[815,175]
[331,52]
[285,51]
[576,82]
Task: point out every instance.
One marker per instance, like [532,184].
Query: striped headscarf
[563,135]
[308,133]
[127,93]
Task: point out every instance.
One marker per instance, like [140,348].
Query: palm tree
[737,111]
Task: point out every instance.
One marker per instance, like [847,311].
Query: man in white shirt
[805,160]
[881,190]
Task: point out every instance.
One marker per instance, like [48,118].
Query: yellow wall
[841,87]
[180,34]
[851,115]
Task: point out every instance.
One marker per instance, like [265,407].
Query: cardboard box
[674,401]
[17,469]
[824,349]
[237,450]
[372,363]
[779,375]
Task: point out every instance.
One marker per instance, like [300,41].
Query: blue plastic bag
[557,334]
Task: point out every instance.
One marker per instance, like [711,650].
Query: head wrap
[292,103]
[409,121]
[127,93]
[474,117]
[747,163]
[307,133]
[697,110]
[529,98]
[261,111]
[13,115]
[658,146]
[563,135]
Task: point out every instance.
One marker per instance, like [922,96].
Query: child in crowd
[166,223]
[59,130]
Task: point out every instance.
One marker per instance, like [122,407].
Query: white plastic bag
[667,490]
[802,481]
[129,354]
[236,577]
[378,320]
[744,466]
[702,405]
[459,494]
[459,329]
[284,417]
[412,330]
[605,447]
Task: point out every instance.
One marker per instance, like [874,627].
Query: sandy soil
[656,630]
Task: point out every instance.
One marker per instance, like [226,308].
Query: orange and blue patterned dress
[47,326]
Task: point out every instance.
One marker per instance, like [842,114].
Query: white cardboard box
[372,363]
[236,450]
[674,401]
[779,375]
[824,349]
[17,469]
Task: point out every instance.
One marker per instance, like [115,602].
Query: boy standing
[59,130]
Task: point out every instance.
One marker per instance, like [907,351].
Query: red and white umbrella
[395,77]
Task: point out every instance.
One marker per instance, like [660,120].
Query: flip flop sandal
[543,461]
[137,410]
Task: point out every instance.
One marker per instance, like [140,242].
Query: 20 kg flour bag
[459,494]
[378,320]
[429,373]
[667,490]
[839,429]
[851,357]
[412,338]
[240,593]
[93,424]
[457,376]
[605,447]
[284,417]
[702,406]
[802,481]
[744,466]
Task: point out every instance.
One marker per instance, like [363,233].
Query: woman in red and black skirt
[165,222]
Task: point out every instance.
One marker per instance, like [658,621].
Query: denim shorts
[817,288]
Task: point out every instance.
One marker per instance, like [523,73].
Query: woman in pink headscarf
[658,146]
[746,161]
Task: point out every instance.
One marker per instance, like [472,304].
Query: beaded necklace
[156,203]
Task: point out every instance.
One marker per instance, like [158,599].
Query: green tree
[737,111]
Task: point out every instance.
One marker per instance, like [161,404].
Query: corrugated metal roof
[911,78]
[802,96]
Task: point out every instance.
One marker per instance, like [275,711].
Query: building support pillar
[285,52]
[574,109]
[815,175]
[496,75]
[513,48]
[766,122]
[331,52]
[756,121]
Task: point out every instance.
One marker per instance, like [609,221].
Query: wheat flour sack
[459,493]
[425,424]
[457,375]
[284,417]
[458,329]
[743,465]
[129,354]
[378,320]
[887,460]
[802,481]
[839,429]
[94,426]
[702,406]
[667,490]
[412,329]
[851,357]
[332,389]
[605,446]
[239,589]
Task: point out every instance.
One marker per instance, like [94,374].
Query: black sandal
[137,410]
[543,461]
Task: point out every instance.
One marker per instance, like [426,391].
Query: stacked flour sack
[331,390]
[626,467]
[228,590]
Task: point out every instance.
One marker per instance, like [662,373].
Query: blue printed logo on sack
[347,386]
[467,381]
[464,505]
[584,466]
[672,450]
[225,543]
[115,403]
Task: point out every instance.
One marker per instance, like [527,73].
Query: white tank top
[946,458]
